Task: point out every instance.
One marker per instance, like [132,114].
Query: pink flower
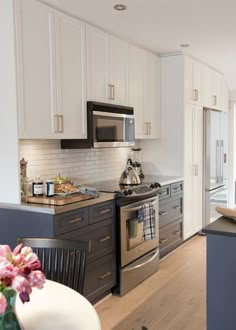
[37,279]
[5,251]
[3,303]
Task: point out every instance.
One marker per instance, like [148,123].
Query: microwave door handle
[131,209]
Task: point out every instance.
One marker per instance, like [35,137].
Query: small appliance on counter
[129,176]
[136,162]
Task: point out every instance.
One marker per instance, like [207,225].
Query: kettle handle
[129,162]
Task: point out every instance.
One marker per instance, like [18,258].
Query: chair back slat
[63,261]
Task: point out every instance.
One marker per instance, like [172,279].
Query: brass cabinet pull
[195,95]
[104,275]
[106,238]
[60,124]
[177,232]
[195,170]
[214,100]
[163,240]
[111,92]
[163,212]
[75,220]
[104,211]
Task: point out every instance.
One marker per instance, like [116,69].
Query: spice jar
[37,187]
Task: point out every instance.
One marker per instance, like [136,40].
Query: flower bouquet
[20,271]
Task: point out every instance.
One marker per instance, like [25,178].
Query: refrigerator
[214,163]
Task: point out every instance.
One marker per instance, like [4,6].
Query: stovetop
[142,190]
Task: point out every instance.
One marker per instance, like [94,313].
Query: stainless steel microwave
[108,126]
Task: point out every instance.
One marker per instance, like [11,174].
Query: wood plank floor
[174,298]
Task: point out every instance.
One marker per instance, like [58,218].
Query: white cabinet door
[212,88]
[136,89]
[118,71]
[144,92]
[71,101]
[224,95]
[193,169]
[152,96]
[197,182]
[97,65]
[193,81]
[36,70]
[188,171]
[107,67]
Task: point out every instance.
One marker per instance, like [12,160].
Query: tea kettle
[129,176]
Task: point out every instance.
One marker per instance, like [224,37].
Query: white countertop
[163,179]
[102,197]
[53,209]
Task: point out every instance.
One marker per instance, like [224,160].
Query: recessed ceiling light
[120,7]
[184,45]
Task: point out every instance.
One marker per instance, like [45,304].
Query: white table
[58,307]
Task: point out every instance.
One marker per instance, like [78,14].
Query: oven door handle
[131,209]
[145,262]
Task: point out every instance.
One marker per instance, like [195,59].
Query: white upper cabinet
[136,89]
[212,88]
[70,68]
[107,67]
[144,92]
[193,81]
[118,71]
[97,64]
[224,95]
[51,65]
[152,97]
[36,70]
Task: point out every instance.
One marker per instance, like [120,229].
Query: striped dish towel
[147,215]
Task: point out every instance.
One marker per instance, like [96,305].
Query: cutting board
[58,200]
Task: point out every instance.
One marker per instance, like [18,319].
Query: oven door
[112,129]
[132,241]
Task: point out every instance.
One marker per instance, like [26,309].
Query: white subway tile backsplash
[47,159]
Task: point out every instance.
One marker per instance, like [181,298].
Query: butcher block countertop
[54,209]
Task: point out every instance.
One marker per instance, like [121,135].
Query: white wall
[47,159]
[9,169]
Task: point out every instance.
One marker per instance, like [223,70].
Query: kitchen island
[221,274]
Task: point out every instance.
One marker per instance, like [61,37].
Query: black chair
[62,260]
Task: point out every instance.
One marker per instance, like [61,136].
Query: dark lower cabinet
[170,217]
[95,223]
[100,274]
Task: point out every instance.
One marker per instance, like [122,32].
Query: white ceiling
[162,25]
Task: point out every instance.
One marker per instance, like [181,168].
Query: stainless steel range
[137,232]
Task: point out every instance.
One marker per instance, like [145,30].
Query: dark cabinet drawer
[170,210]
[170,234]
[100,238]
[68,221]
[164,192]
[100,276]
[176,188]
[101,211]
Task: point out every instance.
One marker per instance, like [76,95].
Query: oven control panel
[140,190]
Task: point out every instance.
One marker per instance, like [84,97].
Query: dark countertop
[222,226]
